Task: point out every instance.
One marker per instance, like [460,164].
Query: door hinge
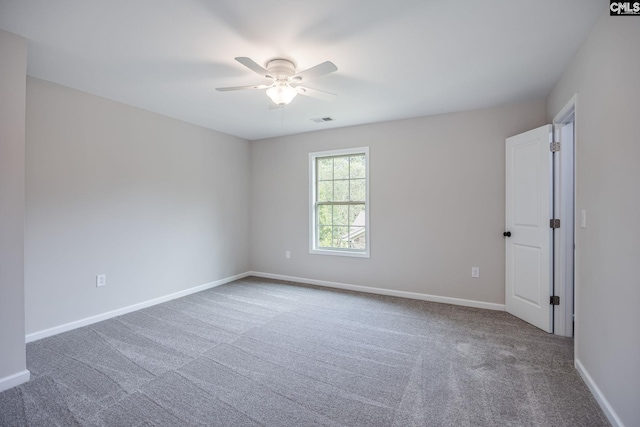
[554,300]
[554,223]
[554,147]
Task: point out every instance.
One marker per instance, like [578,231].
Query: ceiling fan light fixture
[282,74]
[281,94]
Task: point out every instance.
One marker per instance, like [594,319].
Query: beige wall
[604,74]
[437,203]
[156,204]
[13,66]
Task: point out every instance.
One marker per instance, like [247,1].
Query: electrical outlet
[287,254]
[101,280]
[583,218]
[475,271]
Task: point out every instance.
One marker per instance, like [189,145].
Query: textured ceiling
[396,59]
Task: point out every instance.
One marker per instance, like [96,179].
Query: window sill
[334,252]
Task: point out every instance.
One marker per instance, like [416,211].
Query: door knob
[507,234]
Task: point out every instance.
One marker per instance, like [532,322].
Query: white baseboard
[381,291]
[14,380]
[124,310]
[597,393]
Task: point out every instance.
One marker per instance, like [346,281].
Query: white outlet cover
[101,280]
[475,271]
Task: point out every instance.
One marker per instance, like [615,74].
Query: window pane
[341,215]
[358,190]
[357,222]
[325,191]
[358,169]
[341,168]
[324,215]
[357,215]
[341,191]
[357,238]
[341,237]
[324,237]
[325,169]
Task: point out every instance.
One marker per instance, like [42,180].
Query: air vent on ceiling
[322,119]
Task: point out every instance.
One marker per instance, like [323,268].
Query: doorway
[564,209]
[540,224]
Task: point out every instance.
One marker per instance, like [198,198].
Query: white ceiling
[396,58]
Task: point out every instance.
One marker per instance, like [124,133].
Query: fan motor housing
[281,68]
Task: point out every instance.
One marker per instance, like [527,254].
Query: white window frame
[313,249]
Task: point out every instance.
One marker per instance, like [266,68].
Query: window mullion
[354,202]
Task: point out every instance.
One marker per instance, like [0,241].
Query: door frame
[565,319]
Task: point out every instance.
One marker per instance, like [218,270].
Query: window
[339,192]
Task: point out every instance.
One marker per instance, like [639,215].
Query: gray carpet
[258,352]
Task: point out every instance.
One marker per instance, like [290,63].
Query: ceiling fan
[285,82]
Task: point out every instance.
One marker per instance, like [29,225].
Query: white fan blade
[253,65]
[315,93]
[225,89]
[319,70]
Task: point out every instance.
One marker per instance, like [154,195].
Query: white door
[528,236]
